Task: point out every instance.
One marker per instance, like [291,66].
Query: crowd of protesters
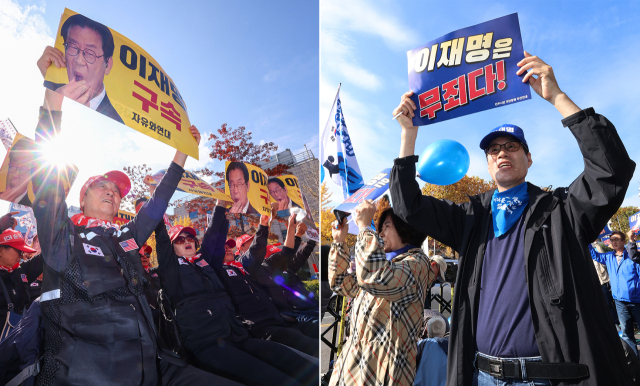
[99,314]
[528,306]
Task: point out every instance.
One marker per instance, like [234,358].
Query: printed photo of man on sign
[88,53]
[105,71]
[247,186]
[285,191]
[17,169]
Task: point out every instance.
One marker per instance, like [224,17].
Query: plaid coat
[386,315]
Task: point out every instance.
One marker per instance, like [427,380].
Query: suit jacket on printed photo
[386,314]
[105,107]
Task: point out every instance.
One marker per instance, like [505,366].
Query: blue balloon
[444,162]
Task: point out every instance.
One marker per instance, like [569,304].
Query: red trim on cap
[115,176]
[175,231]
[13,238]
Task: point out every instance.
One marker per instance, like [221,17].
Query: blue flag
[337,156]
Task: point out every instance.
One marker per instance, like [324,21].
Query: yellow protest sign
[17,170]
[286,191]
[117,78]
[191,183]
[247,186]
[123,217]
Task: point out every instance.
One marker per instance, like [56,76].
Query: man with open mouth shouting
[88,57]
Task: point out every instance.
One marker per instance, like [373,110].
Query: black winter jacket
[567,304]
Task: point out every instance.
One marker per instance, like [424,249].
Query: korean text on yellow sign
[123,217]
[286,191]
[191,183]
[122,80]
[247,186]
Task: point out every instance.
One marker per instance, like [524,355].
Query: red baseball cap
[14,239]
[243,239]
[115,176]
[175,231]
[271,249]
[145,249]
[231,243]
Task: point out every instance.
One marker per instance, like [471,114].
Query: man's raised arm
[50,211]
[216,236]
[153,210]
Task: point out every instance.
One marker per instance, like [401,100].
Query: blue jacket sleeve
[597,256]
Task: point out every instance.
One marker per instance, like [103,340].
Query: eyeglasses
[88,54]
[237,186]
[615,239]
[511,147]
[277,190]
[23,171]
[183,239]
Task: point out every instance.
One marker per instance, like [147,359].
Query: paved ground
[328,319]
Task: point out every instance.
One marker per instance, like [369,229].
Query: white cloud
[365,18]
[338,58]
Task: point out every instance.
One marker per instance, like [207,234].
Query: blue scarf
[506,208]
[400,251]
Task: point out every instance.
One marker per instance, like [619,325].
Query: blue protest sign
[605,231]
[370,191]
[468,70]
[634,223]
[606,241]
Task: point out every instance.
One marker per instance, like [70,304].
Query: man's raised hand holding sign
[524,276]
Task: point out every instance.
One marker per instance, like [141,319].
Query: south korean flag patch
[181,261]
[92,250]
[231,272]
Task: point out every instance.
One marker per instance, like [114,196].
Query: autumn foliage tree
[620,220]
[138,188]
[229,144]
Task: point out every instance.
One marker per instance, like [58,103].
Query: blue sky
[592,47]
[252,64]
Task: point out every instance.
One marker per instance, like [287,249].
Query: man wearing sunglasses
[624,275]
[88,57]
[528,304]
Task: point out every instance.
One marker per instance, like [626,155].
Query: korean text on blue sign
[468,70]
[606,231]
[634,223]
[373,189]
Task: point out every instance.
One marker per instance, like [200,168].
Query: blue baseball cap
[501,131]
